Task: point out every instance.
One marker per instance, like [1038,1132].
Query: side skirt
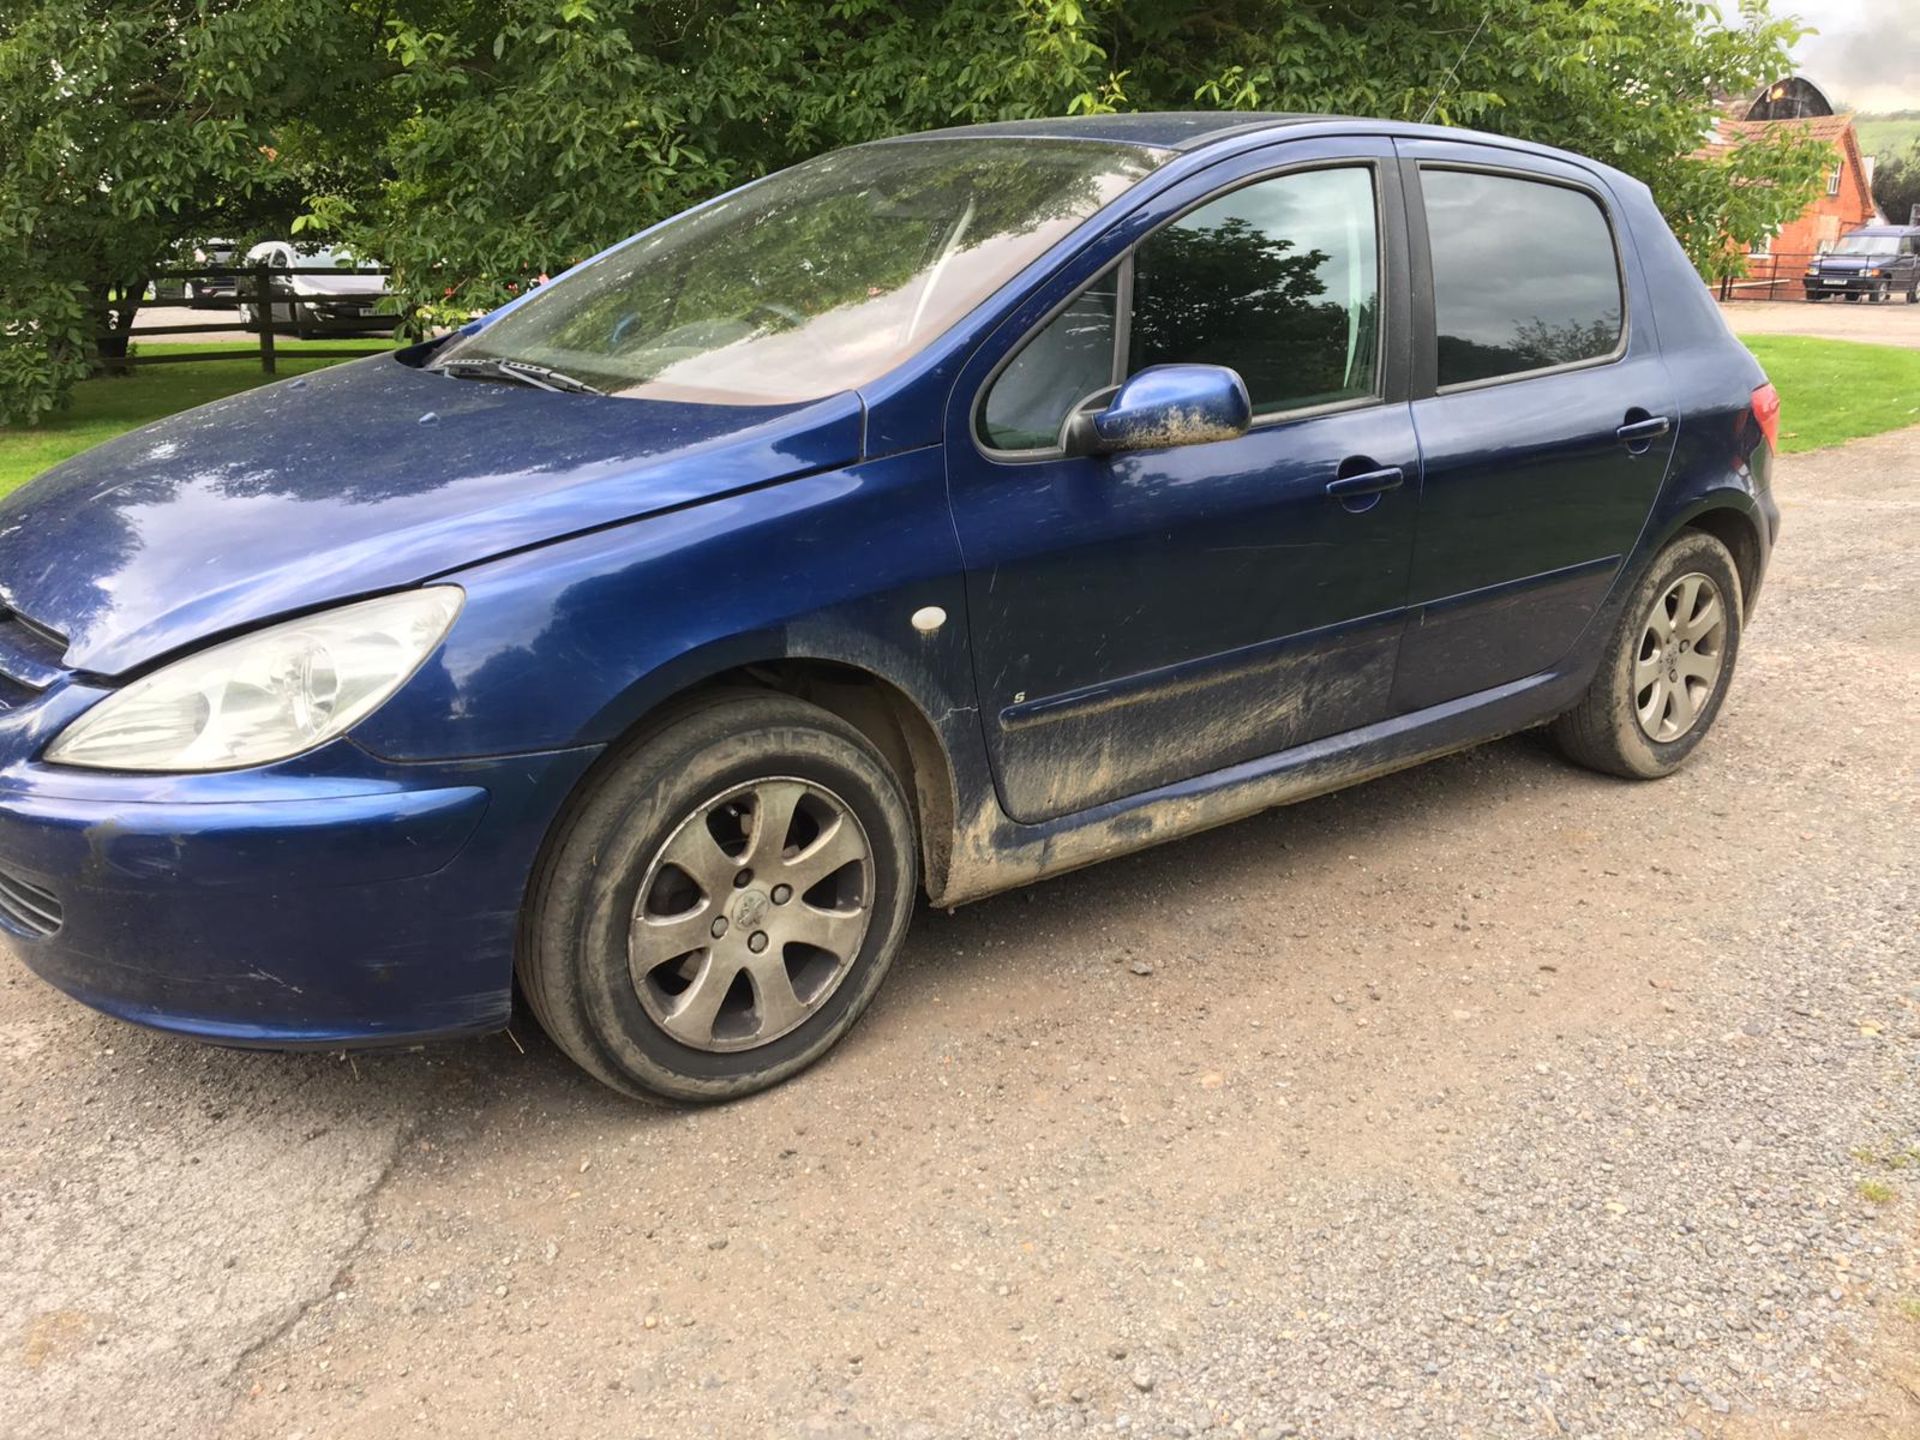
[992,853]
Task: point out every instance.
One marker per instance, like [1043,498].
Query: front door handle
[1367,482]
[1639,432]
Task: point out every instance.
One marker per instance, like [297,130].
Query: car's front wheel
[1666,669]
[717,910]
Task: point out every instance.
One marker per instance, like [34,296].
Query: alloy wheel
[751,914]
[1677,665]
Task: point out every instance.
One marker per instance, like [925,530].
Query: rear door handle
[1640,431]
[1368,482]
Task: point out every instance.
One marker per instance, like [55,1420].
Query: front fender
[570,644]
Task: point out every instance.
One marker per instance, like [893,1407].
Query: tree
[127,126]
[1896,185]
[543,129]
[476,146]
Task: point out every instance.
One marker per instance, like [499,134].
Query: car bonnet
[358,479]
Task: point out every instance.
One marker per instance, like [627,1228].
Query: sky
[1867,54]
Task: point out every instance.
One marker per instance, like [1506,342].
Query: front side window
[1525,275]
[816,280]
[1278,280]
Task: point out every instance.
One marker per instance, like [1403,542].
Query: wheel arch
[1732,517]
[882,707]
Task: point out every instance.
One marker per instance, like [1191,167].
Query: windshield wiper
[540,377]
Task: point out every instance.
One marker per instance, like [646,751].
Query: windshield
[815,280]
[1867,245]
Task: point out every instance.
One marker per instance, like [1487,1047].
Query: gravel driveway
[1895,323]
[1492,1099]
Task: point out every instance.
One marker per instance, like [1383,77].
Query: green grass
[108,407]
[1888,137]
[1891,1154]
[1836,390]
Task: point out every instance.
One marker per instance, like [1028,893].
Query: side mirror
[1162,406]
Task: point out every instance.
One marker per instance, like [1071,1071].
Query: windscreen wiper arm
[540,377]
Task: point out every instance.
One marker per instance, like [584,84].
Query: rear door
[1141,618]
[1545,413]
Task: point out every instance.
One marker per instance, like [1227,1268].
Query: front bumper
[334,900]
[356,311]
[1848,284]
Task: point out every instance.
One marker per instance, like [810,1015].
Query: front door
[1142,618]
[1545,413]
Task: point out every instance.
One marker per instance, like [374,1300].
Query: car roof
[1159,130]
[1884,230]
[1187,131]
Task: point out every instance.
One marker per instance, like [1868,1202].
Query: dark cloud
[1867,53]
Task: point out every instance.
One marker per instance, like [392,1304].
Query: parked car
[1871,263]
[935,516]
[170,289]
[175,289]
[205,291]
[310,297]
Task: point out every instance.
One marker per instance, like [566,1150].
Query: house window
[1762,248]
[1833,180]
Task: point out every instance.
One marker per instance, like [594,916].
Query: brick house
[1845,204]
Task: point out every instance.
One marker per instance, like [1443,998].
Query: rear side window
[1525,275]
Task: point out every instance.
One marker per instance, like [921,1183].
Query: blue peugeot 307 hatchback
[937,515]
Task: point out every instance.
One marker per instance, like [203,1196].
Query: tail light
[1766,412]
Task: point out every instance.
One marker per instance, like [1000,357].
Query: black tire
[1913,295]
[1604,731]
[573,955]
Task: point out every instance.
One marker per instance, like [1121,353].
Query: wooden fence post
[263,316]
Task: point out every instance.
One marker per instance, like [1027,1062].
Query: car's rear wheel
[716,912]
[1666,669]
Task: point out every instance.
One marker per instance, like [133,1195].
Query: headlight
[265,696]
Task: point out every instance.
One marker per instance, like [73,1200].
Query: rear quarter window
[1526,275]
